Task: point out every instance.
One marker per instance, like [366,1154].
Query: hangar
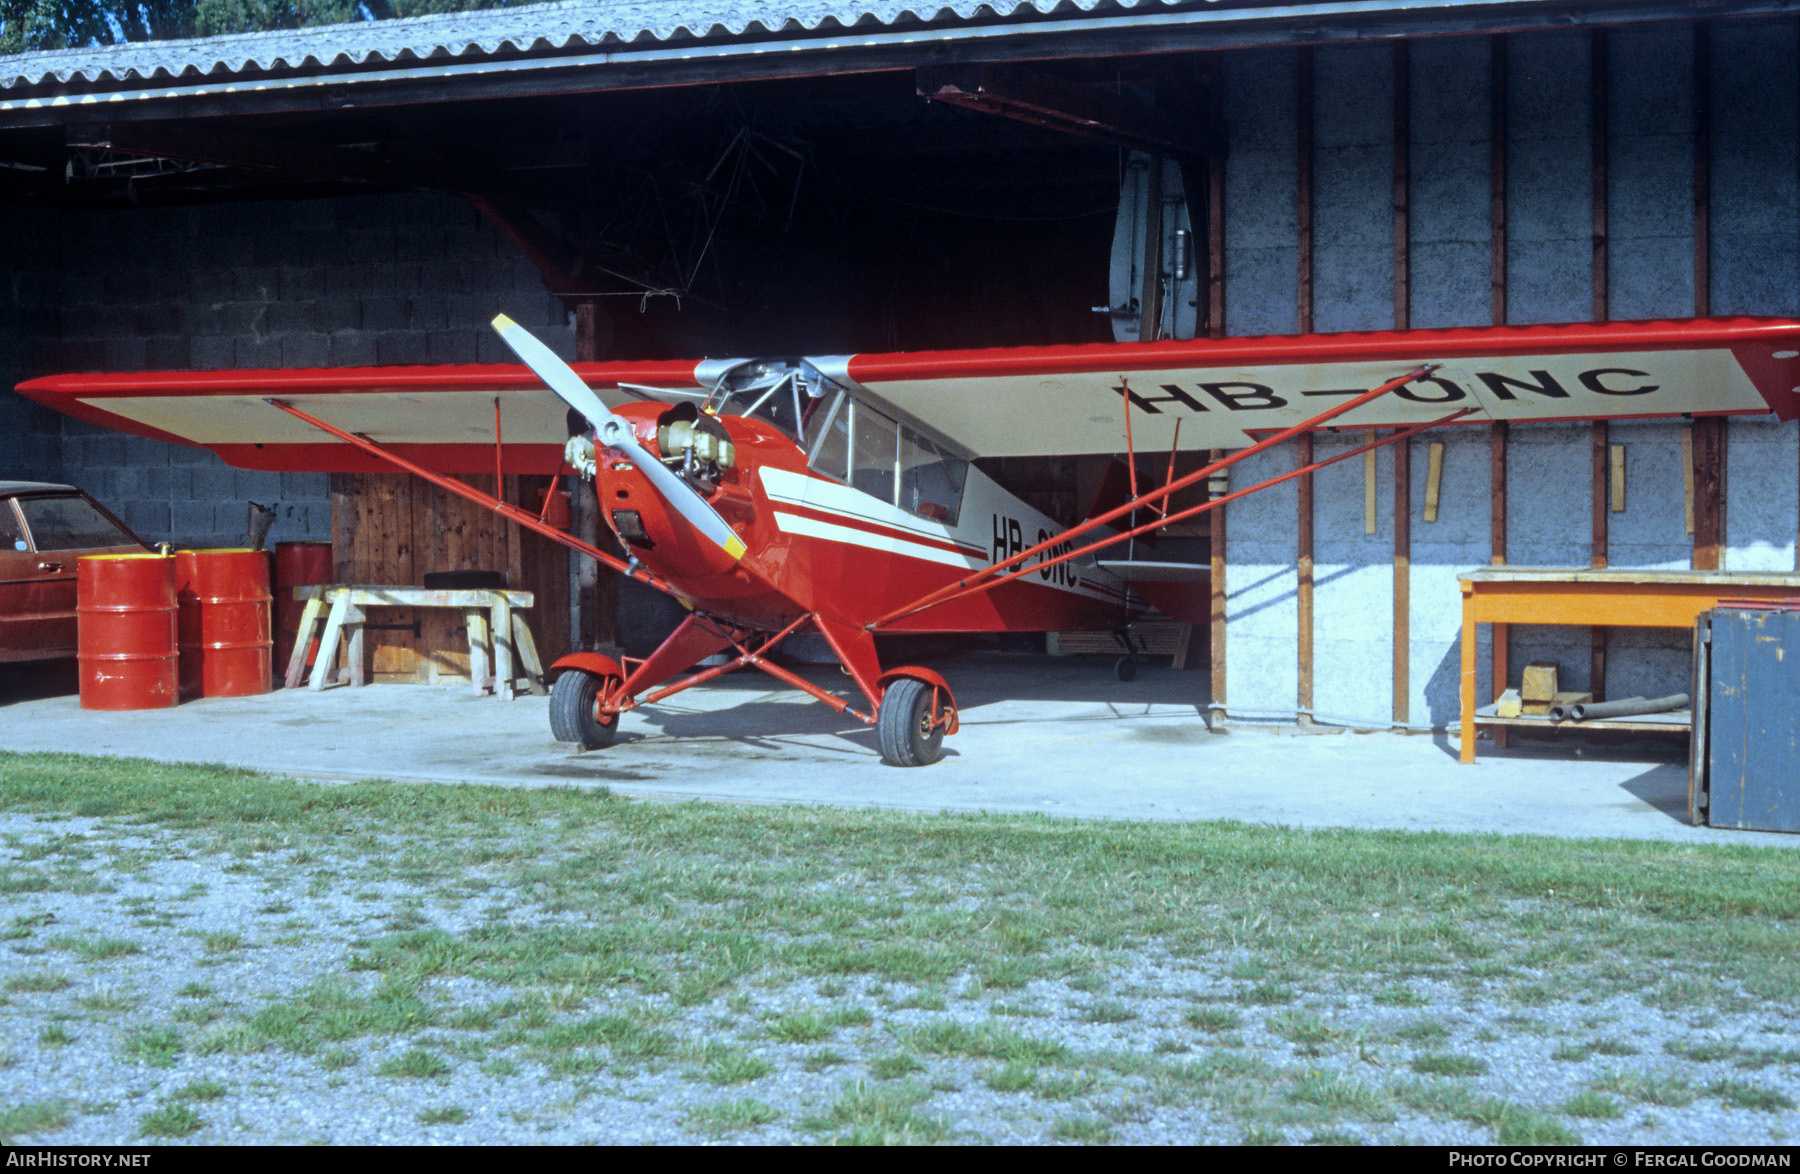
[840,178]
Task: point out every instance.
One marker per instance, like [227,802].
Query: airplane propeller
[613,432]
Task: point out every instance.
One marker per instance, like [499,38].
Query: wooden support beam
[1600,452]
[1597,90]
[1216,636]
[1497,557]
[1687,478]
[1303,196]
[1402,185]
[1497,178]
[1369,522]
[1402,582]
[1709,493]
[1150,297]
[1303,590]
[1042,99]
[1434,480]
[1215,247]
[1702,170]
[1616,492]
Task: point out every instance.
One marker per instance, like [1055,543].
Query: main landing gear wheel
[575,710]
[1125,668]
[909,736]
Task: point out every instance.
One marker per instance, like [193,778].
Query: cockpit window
[856,444]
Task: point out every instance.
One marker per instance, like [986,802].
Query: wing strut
[986,577]
[1182,516]
[507,510]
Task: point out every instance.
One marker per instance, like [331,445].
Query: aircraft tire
[1125,668]
[574,705]
[904,725]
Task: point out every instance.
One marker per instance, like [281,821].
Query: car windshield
[70,523]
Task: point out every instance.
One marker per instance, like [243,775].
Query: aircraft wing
[1033,401]
[1045,401]
[442,417]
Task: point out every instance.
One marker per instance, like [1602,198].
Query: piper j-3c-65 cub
[837,495]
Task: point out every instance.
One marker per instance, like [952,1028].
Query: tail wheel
[575,709]
[911,733]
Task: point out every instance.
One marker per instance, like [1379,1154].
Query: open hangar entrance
[1389,172]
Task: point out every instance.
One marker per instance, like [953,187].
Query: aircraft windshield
[777,399]
[862,447]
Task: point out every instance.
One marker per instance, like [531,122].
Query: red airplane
[773,496]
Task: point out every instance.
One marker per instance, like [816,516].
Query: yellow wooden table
[1604,599]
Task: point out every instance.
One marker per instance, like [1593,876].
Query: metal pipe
[1629,707]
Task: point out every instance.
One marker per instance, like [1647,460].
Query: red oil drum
[297,564]
[224,622]
[125,641]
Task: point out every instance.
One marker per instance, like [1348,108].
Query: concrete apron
[1055,736]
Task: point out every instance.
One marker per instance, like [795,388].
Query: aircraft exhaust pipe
[1629,707]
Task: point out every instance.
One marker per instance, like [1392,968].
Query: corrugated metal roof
[534,29]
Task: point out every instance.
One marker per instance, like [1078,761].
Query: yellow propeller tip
[735,548]
[501,322]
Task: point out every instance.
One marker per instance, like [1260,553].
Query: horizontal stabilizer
[1144,571]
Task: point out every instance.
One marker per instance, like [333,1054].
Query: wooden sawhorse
[486,610]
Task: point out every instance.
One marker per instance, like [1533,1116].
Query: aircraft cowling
[670,544]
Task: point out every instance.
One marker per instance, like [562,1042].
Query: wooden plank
[1597,485]
[1303,594]
[1597,91]
[1216,635]
[1369,483]
[1501,634]
[1497,493]
[1709,493]
[1215,216]
[328,644]
[1616,493]
[1434,480]
[1402,582]
[310,615]
[1497,179]
[1687,478]
[528,654]
[1402,184]
[1150,295]
[370,595]
[500,630]
[1600,448]
[475,623]
[1303,197]
[1702,169]
[356,649]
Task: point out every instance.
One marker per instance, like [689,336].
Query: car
[44,529]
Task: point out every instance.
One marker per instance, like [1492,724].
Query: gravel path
[145,975]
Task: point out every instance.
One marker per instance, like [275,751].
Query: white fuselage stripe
[831,532]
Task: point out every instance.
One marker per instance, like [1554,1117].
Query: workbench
[484,610]
[1593,598]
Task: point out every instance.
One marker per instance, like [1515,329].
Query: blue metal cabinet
[1747,741]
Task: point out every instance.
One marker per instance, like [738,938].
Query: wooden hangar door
[392,529]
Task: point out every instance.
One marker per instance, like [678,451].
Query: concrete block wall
[30,448]
[305,283]
[1260,606]
[1260,190]
[1755,268]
